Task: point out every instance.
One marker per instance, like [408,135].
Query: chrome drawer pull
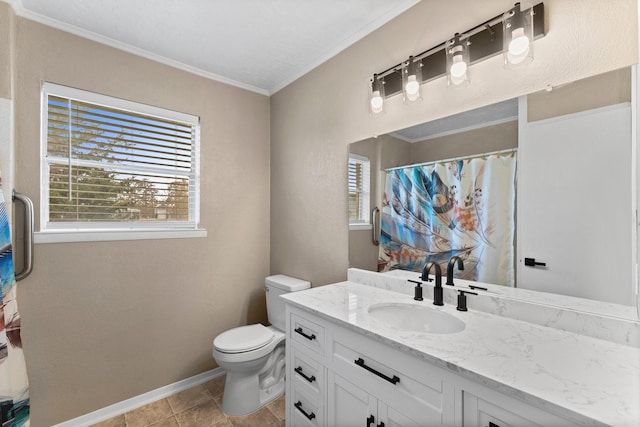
[392,380]
[298,370]
[309,337]
[298,406]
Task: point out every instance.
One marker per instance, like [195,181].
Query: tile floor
[197,407]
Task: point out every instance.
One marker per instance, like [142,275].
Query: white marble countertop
[583,379]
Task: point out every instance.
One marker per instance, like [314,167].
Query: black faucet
[437,290]
[452,261]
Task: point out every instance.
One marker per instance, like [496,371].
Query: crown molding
[19,9]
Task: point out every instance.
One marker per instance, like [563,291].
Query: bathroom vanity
[354,357]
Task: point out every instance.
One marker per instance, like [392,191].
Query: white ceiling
[260,45]
[499,112]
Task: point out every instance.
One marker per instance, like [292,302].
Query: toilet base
[243,395]
[246,392]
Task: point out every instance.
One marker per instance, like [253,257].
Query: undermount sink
[410,317]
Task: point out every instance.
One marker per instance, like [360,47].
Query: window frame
[56,232]
[364,223]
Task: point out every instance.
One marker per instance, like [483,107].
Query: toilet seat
[243,339]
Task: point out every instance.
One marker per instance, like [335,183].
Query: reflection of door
[575,205]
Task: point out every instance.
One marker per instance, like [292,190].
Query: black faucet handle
[417,292]
[462,300]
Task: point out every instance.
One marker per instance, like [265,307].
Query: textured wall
[103,322]
[315,118]
[7,18]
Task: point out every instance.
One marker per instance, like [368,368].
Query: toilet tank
[275,286]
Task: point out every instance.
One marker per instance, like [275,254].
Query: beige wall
[103,322]
[7,18]
[598,91]
[311,124]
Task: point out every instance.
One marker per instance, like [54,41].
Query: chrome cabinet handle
[28,234]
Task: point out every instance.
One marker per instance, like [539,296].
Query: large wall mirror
[572,231]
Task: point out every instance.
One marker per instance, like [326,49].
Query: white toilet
[254,356]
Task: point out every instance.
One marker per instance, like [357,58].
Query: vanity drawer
[310,334]
[305,412]
[480,413]
[399,379]
[494,409]
[308,376]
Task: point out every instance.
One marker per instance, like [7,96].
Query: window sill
[77,236]
[356,227]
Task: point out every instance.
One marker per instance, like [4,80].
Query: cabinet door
[481,413]
[349,405]
[391,417]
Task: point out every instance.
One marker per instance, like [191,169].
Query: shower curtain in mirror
[14,387]
[460,207]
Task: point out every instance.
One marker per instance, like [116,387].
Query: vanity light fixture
[457,52]
[411,78]
[376,98]
[518,35]
[511,33]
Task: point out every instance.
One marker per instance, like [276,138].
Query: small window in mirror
[359,190]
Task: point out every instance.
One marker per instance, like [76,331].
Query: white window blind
[116,164]
[359,184]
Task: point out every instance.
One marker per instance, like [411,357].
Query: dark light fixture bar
[486,40]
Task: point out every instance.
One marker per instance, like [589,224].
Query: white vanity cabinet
[336,377]
[340,378]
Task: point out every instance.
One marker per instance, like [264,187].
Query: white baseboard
[141,400]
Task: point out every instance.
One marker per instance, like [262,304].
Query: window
[116,165]
[359,184]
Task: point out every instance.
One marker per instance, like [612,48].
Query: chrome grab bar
[375,213]
[28,234]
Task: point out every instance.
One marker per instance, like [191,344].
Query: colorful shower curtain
[14,387]
[459,207]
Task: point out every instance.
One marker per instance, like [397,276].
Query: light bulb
[459,67]
[376,102]
[519,44]
[412,87]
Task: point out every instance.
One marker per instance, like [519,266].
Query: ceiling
[259,45]
[499,112]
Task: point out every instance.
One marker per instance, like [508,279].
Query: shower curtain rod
[454,159]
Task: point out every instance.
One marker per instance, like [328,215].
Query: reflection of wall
[362,252]
[106,321]
[384,152]
[598,91]
[477,141]
[394,152]
[585,38]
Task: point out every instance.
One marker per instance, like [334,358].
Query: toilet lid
[244,338]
